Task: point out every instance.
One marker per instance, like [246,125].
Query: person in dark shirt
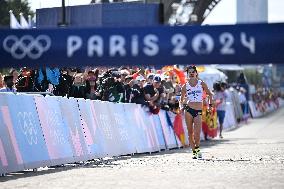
[91,84]
[154,93]
[138,96]
[8,81]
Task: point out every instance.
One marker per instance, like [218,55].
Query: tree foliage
[17,6]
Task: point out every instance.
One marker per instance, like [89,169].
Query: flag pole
[63,22]
[30,21]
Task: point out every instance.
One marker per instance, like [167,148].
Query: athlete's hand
[210,109]
[181,107]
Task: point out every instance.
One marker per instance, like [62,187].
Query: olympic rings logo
[27,46]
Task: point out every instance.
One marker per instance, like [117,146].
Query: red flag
[180,76]
[178,128]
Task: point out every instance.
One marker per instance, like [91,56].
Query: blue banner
[238,44]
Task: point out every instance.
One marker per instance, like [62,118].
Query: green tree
[17,6]
[253,77]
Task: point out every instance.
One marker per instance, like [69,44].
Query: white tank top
[194,94]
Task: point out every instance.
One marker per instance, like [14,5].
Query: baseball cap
[150,76]
[157,78]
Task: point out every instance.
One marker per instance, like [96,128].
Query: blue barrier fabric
[124,130]
[151,132]
[159,131]
[37,131]
[72,121]
[170,137]
[252,44]
[171,119]
[132,116]
[55,132]
[110,142]
[90,127]
[28,131]
[10,156]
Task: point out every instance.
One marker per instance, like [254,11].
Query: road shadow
[108,162]
[95,163]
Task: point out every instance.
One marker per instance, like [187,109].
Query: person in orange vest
[192,102]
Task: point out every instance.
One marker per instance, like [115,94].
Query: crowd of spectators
[156,91]
[126,85]
[264,98]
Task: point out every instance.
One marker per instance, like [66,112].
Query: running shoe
[194,153]
[198,153]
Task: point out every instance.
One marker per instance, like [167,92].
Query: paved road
[249,157]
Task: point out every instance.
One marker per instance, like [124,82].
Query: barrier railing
[38,131]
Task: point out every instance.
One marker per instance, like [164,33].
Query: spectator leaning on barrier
[138,96]
[9,85]
[192,102]
[154,93]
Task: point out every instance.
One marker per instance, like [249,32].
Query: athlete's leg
[189,124]
[197,129]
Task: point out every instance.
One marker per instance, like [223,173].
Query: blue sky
[224,13]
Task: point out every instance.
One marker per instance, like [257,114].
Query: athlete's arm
[183,93]
[208,92]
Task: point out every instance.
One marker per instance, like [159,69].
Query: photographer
[65,83]
[91,84]
[110,88]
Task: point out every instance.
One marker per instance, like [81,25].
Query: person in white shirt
[220,98]
[192,102]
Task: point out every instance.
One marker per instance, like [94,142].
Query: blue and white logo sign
[238,44]
[203,44]
[26,45]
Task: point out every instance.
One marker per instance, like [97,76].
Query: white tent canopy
[231,67]
[212,75]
